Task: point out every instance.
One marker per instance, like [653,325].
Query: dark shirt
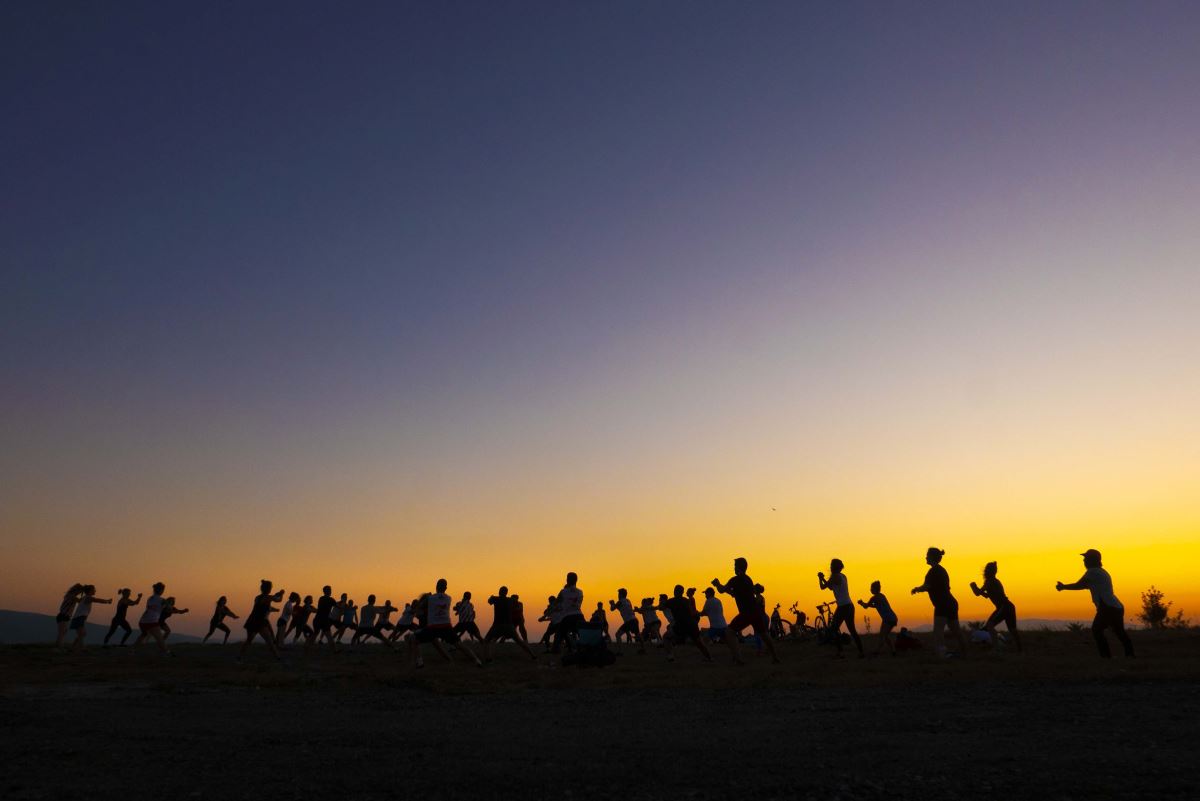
[260,613]
[122,609]
[742,589]
[501,610]
[995,592]
[324,606]
[937,583]
[683,609]
[518,613]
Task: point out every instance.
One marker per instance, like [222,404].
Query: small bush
[1156,613]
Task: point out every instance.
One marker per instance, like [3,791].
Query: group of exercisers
[427,619]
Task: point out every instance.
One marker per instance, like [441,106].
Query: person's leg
[769,643]
[160,638]
[112,629]
[699,642]
[956,630]
[414,649]
[80,633]
[1010,621]
[939,626]
[245,645]
[854,631]
[885,637]
[62,633]
[441,649]
[1098,626]
[128,631]
[1118,626]
[993,620]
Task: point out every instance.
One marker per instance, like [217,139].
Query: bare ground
[1054,723]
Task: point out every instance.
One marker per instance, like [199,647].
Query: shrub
[1156,613]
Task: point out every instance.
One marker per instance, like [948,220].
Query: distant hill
[22,628]
[1023,623]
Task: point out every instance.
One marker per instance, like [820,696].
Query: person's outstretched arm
[922,588]
[1078,585]
[230,613]
[866,604]
[136,601]
[979,591]
[722,588]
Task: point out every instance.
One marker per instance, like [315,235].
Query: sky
[370,296]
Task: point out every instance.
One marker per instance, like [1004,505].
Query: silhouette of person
[844,613]
[502,627]
[466,619]
[887,618]
[686,623]
[119,615]
[518,617]
[749,613]
[169,608]
[258,622]
[65,611]
[600,620]
[82,610]
[149,624]
[714,610]
[285,619]
[945,605]
[221,612]
[373,620]
[570,600]
[629,622]
[1005,610]
[1110,612]
[323,619]
[436,627]
[551,615]
[651,625]
[300,615]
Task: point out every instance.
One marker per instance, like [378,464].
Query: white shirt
[715,612]
[286,615]
[85,607]
[625,610]
[154,607]
[841,593]
[439,610]
[1097,580]
[570,602]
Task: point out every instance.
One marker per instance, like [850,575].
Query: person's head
[265,586]
[124,592]
[759,589]
[876,587]
[600,605]
[467,596]
[934,556]
[295,596]
[171,601]
[344,597]
[678,590]
[388,602]
[158,588]
[622,593]
[441,585]
[550,599]
[370,599]
[516,597]
[502,592]
[308,599]
[89,589]
[221,601]
[327,590]
[740,565]
[835,565]
[1091,558]
[709,592]
[571,579]
[989,570]
[662,596]
[75,589]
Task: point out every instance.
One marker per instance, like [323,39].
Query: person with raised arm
[168,610]
[285,618]
[374,620]
[465,611]
[406,622]
[502,627]
[258,622]
[887,618]
[741,587]
[1110,612]
[600,620]
[82,610]
[844,613]
[348,619]
[119,616]
[551,615]
[1005,610]
[149,624]
[518,617]
[629,622]
[300,617]
[323,620]
[436,627]
[651,625]
[66,611]
[945,605]
[221,612]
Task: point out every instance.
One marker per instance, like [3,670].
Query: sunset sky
[368,296]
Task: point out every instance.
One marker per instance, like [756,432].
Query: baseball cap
[1090,553]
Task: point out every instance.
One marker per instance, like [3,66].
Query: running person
[119,621]
[741,587]
[82,610]
[945,605]
[221,612]
[258,622]
[629,622]
[169,609]
[436,627]
[502,625]
[686,623]
[570,599]
[844,613]
[1005,610]
[149,622]
[66,610]
[887,618]
[1110,612]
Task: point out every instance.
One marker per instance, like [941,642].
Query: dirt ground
[1053,723]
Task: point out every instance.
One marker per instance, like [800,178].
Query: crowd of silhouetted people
[435,619]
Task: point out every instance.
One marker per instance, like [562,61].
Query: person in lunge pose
[993,590]
[258,622]
[887,618]
[436,627]
[685,624]
[221,612]
[840,585]
[1110,612]
[119,616]
[945,605]
[741,587]
[502,625]
[629,622]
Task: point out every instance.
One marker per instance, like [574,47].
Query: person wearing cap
[1110,612]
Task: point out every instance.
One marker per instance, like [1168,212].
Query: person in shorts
[258,622]
[629,623]
[82,610]
[502,627]
[148,624]
[714,610]
[685,626]
[749,613]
